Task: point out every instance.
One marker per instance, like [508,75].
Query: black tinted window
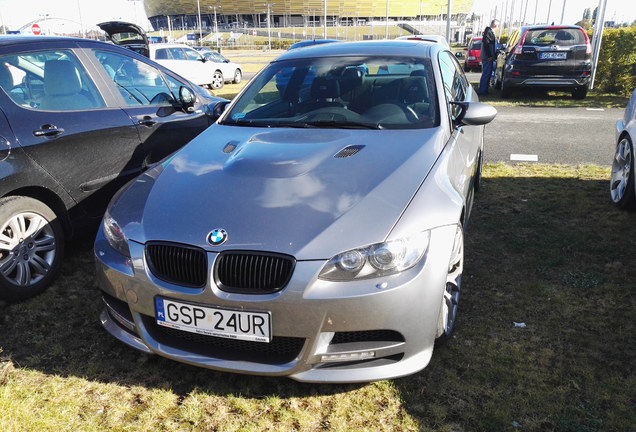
[554,36]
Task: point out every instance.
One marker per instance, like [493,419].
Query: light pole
[386,29]
[563,12]
[325,35]
[199,14]
[269,31]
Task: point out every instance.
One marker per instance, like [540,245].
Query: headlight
[380,259]
[114,235]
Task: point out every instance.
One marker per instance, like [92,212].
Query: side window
[177,53]
[48,80]
[512,41]
[137,82]
[192,54]
[455,83]
[162,54]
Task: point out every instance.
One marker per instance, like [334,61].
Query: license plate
[552,55]
[212,321]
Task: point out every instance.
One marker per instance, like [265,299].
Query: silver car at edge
[316,230]
[622,182]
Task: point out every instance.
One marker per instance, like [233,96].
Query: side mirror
[459,55]
[186,98]
[216,109]
[474,113]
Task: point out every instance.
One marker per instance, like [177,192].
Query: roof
[387,47]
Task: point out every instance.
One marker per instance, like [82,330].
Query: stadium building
[241,14]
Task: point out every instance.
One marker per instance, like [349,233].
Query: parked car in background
[78,119]
[623,182]
[188,62]
[211,71]
[126,34]
[311,42]
[546,56]
[318,226]
[232,72]
[472,55]
[430,38]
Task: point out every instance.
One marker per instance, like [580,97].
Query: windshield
[338,92]
[555,36]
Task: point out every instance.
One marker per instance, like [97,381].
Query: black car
[128,35]
[78,119]
[546,56]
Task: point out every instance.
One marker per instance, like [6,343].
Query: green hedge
[616,68]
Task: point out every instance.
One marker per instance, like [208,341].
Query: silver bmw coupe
[316,230]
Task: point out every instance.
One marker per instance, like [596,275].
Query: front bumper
[322,331]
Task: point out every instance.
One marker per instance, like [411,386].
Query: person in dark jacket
[488,56]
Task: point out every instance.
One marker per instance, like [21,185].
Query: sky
[87,13]
[615,10]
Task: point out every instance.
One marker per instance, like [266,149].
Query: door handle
[147,121]
[48,130]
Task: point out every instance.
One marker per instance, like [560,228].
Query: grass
[544,248]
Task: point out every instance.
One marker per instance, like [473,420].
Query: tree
[587,14]
[594,14]
[585,24]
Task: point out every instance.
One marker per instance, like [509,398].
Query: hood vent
[229,147]
[349,151]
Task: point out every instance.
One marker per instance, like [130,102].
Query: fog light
[363,355]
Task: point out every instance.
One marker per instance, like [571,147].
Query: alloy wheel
[450,301]
[621,185]
[217,80]
[27,249]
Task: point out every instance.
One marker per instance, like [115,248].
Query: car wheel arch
[51,200]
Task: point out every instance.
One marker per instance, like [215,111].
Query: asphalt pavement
[568,136]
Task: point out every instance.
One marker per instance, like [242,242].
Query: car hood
[310,193]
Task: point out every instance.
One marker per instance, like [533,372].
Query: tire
[450,299]
[497,82]
[505,90]
[31,247]
[217,80]
[466,68]
[238,76]
[579,92]
[622,180]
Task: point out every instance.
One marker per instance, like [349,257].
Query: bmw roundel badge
[217,237]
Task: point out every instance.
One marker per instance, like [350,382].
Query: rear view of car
[472,57]
[550,57]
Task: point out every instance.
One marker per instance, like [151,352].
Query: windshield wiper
[244,122]
[344,124]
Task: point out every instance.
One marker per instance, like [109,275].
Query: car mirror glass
[186,98]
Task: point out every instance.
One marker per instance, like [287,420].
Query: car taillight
[588,45]
[519,48]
